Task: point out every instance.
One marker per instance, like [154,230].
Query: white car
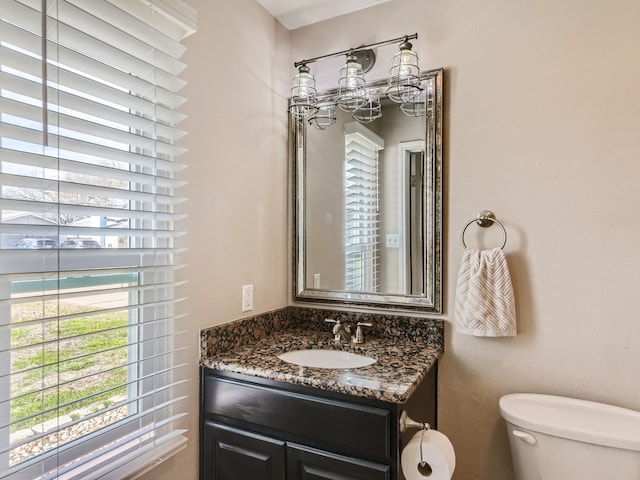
[80,243]
[33,243]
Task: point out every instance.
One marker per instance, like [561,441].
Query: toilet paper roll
[437,453]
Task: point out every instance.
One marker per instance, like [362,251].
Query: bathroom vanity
[263,418]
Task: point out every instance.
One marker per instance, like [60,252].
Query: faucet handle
[336,328]
[359,336]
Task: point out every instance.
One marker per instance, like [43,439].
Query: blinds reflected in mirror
[362,209]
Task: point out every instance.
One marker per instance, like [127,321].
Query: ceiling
[298,13]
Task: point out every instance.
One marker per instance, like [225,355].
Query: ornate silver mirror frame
[428,298]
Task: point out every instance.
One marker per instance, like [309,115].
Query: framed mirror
[367,212]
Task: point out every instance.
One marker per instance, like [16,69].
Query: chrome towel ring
[484,219]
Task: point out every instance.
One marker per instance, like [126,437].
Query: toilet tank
[560,438]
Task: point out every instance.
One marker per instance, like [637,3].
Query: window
[90,382]
[362,210]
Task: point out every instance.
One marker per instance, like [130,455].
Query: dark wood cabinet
[258,429]
[233,454]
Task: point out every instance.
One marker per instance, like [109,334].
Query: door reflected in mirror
[368,211]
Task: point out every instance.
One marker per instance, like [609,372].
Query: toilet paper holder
[406,422]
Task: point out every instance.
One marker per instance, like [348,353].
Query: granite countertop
[405,350]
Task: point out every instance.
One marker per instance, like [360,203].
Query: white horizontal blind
[362,222]
[89,383]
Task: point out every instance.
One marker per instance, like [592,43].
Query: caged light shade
[415,106]
[351,85]
[303,94]
[325,116]
[404,75]
[370,110]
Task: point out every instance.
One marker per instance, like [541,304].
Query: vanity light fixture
[352,95]
[303,93]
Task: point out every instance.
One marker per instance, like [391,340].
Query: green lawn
[57,360]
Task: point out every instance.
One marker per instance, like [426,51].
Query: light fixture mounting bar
[361,47]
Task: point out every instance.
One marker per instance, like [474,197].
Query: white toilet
[559,438]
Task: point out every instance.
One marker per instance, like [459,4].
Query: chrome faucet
[341,333]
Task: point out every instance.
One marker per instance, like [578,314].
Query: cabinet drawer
[323,422]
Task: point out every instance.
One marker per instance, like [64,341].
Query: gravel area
[59,437]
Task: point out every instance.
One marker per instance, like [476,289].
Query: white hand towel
[485,305]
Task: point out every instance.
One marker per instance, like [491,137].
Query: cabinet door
[304,463]
[232,454]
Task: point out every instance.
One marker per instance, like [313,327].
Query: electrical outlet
[316,280]
[247,298]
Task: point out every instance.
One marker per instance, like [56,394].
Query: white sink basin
[326,359]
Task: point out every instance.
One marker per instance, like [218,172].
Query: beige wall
[324,206]
[542,128]
[237,173]
[542,125]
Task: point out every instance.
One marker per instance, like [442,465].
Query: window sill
[129,462]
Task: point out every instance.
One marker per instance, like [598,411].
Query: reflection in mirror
[368,210]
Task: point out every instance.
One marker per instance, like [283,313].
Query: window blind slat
[124,438]
[17,65]
[29,67]
[105,135]
[29,261]
[29,19]
[68,147]
[133,26]
[87,46]
[146,126]
[108,28]
[47,184]
[80,294]
[69,383]
[145,107]
[42,208]
[24,16]
[130,405]
[362,232]
[114,171]
[23,36]
[72,60]
[141,160]
[107,364]
[60,99]
[32,276]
